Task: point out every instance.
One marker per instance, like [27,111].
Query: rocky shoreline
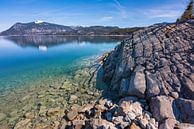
[151,75]
[156,64]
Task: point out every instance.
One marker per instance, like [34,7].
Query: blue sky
[123,13]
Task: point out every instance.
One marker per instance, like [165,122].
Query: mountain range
[45,28]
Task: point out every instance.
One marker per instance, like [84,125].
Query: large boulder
[186,110]
[188,84]
[137,84]
[162,108]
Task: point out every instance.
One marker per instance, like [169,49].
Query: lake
[47,70]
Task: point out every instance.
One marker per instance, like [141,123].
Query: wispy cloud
[106,18]
[173,11]
[160,13]
[120,8]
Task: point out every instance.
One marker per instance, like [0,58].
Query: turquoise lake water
[25,60]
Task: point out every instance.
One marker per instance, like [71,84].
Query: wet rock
[100,123]
[72,114]
[86,108]
[100,108]
[78,124]
[64,124]
[41,96]
[42,110]
[102,101]
[24,124]
[29,115]
[25,97]
[53,111]
[134,126]
[2,116]
[73,98]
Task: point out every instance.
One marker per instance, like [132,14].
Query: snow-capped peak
[38,22]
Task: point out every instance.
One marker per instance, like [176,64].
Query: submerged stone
[2,116]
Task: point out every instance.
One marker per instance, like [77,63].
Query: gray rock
[119,121]
[131,115]
[188,83]
[186,110]
[124,87]
[109,116]
[184,126]
[162,108]
[142,122]
[137,84]
[100,124]
[152,85]
[168,124]
[130,99]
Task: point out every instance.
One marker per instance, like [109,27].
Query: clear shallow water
[39,73]
[25,60]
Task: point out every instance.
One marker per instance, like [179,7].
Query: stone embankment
[157,64]
[152,74]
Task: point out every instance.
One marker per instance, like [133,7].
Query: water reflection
[39,41]
[42,48]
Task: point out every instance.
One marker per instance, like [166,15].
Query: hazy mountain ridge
[44,28]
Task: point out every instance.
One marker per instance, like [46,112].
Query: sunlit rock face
[153,62]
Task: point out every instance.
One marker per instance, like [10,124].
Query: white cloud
[106,18]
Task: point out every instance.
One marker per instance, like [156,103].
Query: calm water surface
[25,60]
